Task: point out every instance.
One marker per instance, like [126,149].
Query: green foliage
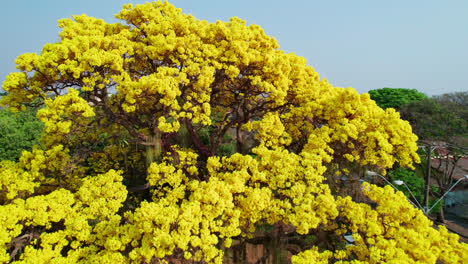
[264,227]
[310,239]
[395,97]
[226,149]
[414,183]
[456,103]
[432,120]
[227,145]
[18,132]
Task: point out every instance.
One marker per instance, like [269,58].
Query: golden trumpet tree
[170,137]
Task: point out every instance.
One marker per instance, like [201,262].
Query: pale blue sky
[365,44]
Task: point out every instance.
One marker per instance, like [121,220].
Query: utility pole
[428,177]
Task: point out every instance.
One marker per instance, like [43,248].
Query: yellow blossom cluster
[393,232]
[14,182]
[62,114]
[341,123]
[42,225]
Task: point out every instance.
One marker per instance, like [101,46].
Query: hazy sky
[365,44]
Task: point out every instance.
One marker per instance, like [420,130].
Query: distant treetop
[395,97]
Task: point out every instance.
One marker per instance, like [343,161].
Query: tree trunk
[278,253]
[153,149]
[440,214]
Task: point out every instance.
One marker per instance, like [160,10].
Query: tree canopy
[170,137]
[434,119]
[456,101]
[395,97]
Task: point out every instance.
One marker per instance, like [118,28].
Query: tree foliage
[432,120]
[456,102]
[17,133]
[395,97]
[136,164]
[413,182]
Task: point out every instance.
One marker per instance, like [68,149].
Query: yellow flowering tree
[133,168]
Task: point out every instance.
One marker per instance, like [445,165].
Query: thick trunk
[153,149]
[203,150]
[278,253]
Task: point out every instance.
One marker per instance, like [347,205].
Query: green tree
[433,120]
[395,97]
[18,132]
[457,104]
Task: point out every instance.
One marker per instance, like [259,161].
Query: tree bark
[441,215]
[153,149]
